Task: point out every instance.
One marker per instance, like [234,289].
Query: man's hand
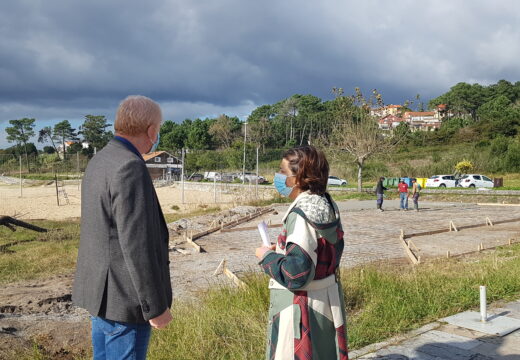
[162,320]
[260,252]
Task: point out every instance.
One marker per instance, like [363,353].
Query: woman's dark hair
[310,167]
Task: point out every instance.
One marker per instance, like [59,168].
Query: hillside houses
[389,117]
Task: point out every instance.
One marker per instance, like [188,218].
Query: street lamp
[244,164]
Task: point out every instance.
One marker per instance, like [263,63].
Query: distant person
[403,195]
[122,276]
[416,190]
[380,189]
[307,313]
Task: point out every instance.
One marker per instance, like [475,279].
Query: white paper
[264,233]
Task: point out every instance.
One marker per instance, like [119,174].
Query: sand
[39,201]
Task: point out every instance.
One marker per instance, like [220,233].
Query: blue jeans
[404,200]
[112,340]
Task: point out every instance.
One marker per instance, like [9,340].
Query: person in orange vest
[403,195]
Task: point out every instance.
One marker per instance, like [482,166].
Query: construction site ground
[42,309]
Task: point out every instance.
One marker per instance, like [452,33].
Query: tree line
[474,113]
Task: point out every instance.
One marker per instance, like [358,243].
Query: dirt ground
[40,311]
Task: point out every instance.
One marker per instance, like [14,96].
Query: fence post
[21,187]
[77,168]
[182,176]
[257,174]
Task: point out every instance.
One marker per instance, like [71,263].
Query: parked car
[212,175]
[475,181]
[441,181]
[195,177]
[336,181]
[251,177]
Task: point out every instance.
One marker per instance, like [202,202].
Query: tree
[198,137]
[63,131]
[20,132]
[225,130]
[94,131]
[356,131]
[44,135]
[49,150]
[173,135]
[259,132]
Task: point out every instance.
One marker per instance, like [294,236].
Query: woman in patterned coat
[306,311]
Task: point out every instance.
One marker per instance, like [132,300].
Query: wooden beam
[435,232]
[247,228]
[223,269]
[409,252]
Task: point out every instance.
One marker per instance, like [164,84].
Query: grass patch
[27,255]
[381,301]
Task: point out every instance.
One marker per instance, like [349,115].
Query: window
[486,178]
[476,177]
[158,159]
[170,160]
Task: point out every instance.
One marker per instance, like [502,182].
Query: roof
[419,113]
[149,156]
[389,118]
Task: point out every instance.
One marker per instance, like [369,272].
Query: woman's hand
[260,252]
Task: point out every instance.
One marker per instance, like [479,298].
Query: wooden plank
[247,218]
[222,227]
[435,232]
[496,204]
[248,228]
[409,252]
[194,245]
[412,244]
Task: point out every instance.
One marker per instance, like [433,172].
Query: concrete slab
[496,325]
[458,341]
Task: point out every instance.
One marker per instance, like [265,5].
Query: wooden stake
[222,269]
[448,254]
[409,252]
[488,221]
[452,226]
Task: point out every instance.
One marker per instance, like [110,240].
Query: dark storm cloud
[64,59]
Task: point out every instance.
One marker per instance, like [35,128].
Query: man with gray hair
[122,276]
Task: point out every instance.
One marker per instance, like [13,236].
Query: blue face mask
[280,185]
[155,144]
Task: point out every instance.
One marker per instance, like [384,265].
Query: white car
[441,181]
[333,180]
[475,181]
[252,178]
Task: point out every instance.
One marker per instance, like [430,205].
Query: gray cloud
[64,59]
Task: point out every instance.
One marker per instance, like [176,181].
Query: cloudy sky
[63,59]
